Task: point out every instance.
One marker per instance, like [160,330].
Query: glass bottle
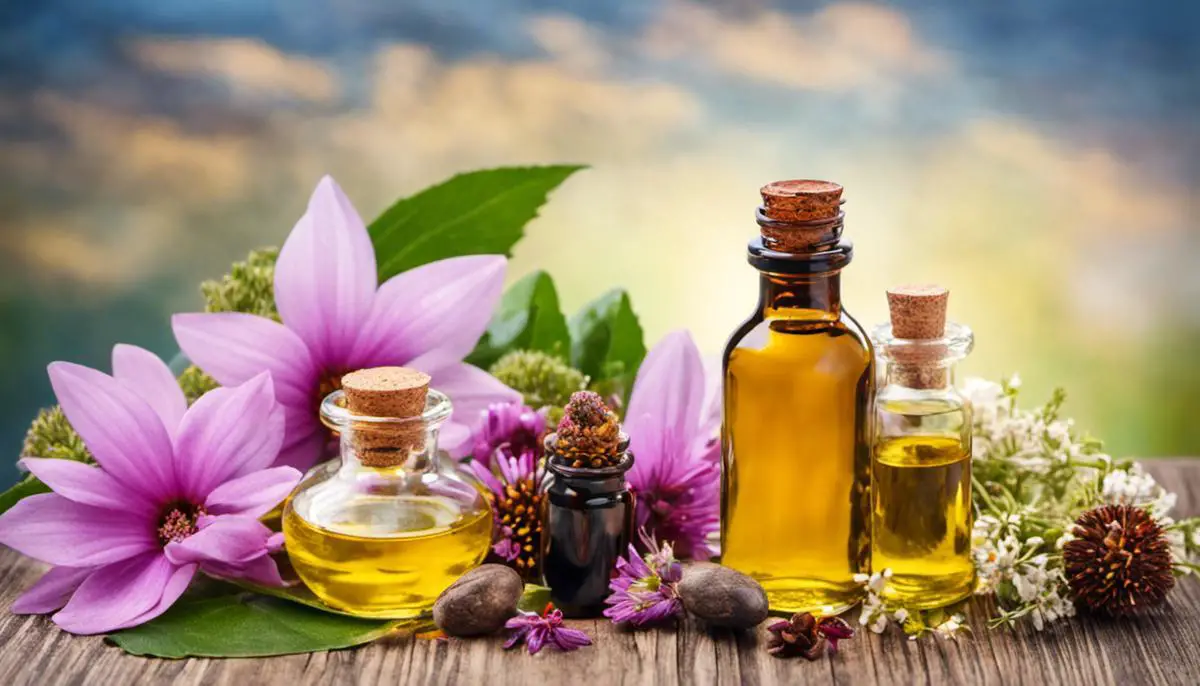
[799,376]
[385,528]
[588,524]
[921,513]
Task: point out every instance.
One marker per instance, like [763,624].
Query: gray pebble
[723,597]
[479,602]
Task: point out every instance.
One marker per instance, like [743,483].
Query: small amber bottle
[799,376]
[921,468]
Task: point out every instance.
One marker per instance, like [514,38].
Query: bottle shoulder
[844,332]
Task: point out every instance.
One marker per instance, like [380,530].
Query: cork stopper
[801,214]
[396,392]
[918,313]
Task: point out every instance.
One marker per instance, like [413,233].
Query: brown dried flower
[807,636]
[1120,560]
[589,434]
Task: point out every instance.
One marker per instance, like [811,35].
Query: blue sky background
[1039,157]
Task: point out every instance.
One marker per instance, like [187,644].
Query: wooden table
[1160,648]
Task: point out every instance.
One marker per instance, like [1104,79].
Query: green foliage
[475,213]
[528,318]
[196,383]
[246,625]
[248,287]
[26,487]
[544,380]
[607,343]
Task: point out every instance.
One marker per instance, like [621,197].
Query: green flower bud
[543,379]
[51,435]
[196,383]
[248,287]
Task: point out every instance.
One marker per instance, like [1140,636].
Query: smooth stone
[479,602]
[723,597]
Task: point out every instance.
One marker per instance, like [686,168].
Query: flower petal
[234,347]
[306,441]
[230,539]
[121,430]
[471,390]
[670,386]
[148,376]
[444,305]
[180,579]
[50,592]
[50,528]
[252,495]
[260,570]
[230,432]
[116,595]
[325,278]
[89,485]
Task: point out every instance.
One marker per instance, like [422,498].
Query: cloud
[250,66]
[843,47]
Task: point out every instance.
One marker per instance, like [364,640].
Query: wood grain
[1160,648]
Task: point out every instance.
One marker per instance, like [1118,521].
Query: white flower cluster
[1135,487]
[1001,557]
[877,615]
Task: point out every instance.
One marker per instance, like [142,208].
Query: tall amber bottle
[799,378]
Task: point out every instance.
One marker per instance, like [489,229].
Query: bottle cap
[918,311]
[800,215]
[386,392]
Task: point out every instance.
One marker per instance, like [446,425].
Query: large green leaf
[607,342]
[246,625]
[24,488]
[528,318]
[476,213]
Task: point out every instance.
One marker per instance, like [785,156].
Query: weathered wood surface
[1160,648]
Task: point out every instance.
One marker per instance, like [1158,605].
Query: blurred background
[1039,157]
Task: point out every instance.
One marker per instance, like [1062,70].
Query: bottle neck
[801,296]
[920,377]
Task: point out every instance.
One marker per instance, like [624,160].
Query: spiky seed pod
[519,511]
[589,435]
[1120,560]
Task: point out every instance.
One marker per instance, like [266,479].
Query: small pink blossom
[537,631]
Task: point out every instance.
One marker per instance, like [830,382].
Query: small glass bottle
[588,524]
[799,376]
[922,515]
[385,529]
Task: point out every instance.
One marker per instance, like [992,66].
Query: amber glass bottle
[799,377]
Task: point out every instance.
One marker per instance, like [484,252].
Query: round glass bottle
[385,528]
[921,514]
[799,375]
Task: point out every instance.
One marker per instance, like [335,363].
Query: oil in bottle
[385,529]
[799,377]
[921,513]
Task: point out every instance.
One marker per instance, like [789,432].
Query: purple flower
[547,628]
[336,319]
[511,426]
[644,591]
[175,490]
[672,425]
[515,482]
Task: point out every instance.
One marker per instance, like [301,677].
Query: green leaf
[476,213]
[26,487]
[528,318]
[534,598]
[297,593]
[607,342]
[246,625]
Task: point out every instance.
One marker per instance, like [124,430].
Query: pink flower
[512,427]
[337,318]
[176,490]
[547,628]
[672,427]
[644,590]
[515,482]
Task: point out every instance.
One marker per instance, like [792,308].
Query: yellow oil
[797,449]
[386,556]
[921,519]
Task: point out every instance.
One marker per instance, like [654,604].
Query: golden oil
[921,510]
[385,556]
[799,376]
[921,519]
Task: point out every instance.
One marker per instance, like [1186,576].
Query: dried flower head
[537,631]
[589,434]
[1120,560]
[807,636]
[515,483]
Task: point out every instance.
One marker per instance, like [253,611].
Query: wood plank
[1159,648]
